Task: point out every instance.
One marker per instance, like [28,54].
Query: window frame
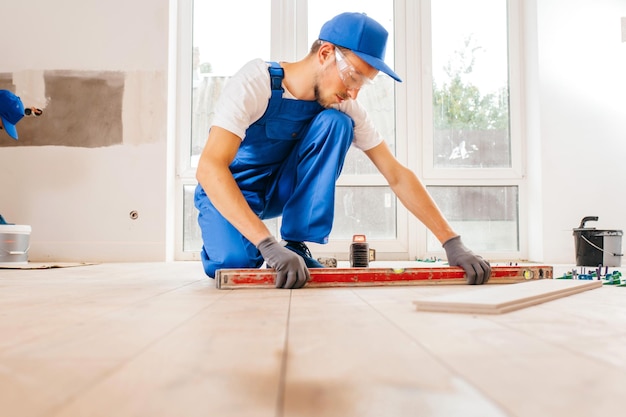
[184,174]
[413,134]
[512,176]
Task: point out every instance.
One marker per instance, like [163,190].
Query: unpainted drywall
[83,109]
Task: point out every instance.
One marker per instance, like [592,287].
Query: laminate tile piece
[502,299]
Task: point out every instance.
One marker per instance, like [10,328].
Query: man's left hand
[477,270]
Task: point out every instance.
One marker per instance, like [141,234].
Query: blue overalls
[287,165]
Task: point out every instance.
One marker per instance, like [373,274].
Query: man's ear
[325,52]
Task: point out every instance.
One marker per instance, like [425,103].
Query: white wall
[580,113]
[78,199]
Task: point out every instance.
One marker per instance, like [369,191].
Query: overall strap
[276,80]
[276,77]
[276,83]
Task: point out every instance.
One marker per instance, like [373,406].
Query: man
[11,112]
[277,146]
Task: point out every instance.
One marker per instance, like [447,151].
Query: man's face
[341,78]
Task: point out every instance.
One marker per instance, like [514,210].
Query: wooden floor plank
[158,339]
[592,325]
[41,304]
[504,358]
[345,359]
[224,361]
[503,299]
[112,322]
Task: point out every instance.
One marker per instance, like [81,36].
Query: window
[486,216]
[454,120]
[470,84]
[472,162]
[216,49]
[364,203]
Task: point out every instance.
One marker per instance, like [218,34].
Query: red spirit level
[369,277]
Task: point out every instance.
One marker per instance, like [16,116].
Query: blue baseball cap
[364,36]
[11,111]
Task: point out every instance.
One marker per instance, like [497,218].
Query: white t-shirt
[245,98]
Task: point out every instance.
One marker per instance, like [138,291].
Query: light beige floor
[157,339]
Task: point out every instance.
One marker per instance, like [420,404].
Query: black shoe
[301,249]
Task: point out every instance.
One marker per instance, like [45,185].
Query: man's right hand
[291,271]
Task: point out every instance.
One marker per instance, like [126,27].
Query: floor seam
[282,379]
[437,359]
[105,375]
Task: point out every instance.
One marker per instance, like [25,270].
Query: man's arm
[219,185]
[214,176]
[411,192]
[414,196]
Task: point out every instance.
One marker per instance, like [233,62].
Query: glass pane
[379,98]
[486,217]
[192,237]
[358,210]
[364,210]
[470,84]
[221,45]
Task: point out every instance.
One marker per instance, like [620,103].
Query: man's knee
[330,126]
[336,119]
[228,255]
[211,266]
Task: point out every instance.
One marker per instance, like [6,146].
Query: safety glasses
[352,79]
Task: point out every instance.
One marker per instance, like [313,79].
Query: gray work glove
[291,271]
[477,270]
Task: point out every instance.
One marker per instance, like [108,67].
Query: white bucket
[14,243]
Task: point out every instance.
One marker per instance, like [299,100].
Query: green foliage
[206,68]
[459,105]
